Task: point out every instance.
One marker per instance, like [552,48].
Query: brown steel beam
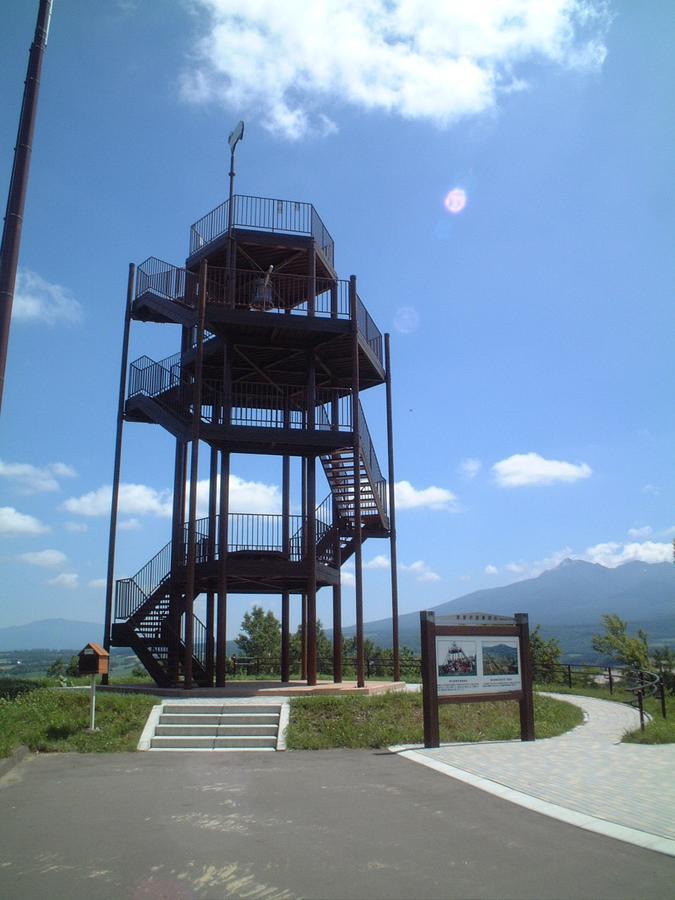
[337,603]
[358,550]
[311,528]
[392,515]
[18,185]
[286,545]
[194,473]
[117,464]
[223,533]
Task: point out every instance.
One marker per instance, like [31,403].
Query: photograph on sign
[477,665]
[456,658]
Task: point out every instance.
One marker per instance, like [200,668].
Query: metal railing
[369,329]
[257,291]
[377,479]
[253,404]
[247,532]
[165,280]
[263,214]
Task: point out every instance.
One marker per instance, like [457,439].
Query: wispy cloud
[421,570]
[41,302]
[46,559]
[490,569]
[377,562]
[97,583]
[638,533]
[135,499]
[418,59]
[612,554]
[469,468]
[68,580]
[16,524]
[432,497]
[30,479]
[530,469]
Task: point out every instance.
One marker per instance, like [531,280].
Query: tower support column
[337,602]
[358,549]
[112,536]
[190,591]
[223,524]
[286,544]
[392,515]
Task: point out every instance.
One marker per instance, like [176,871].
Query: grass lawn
[51,720]
[319,723]
[658,731]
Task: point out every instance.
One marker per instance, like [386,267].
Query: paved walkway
[586,777]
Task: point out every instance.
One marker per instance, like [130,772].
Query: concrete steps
[215,726]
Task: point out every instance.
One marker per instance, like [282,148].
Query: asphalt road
[276,826]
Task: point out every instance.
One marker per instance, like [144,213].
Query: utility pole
[11,233]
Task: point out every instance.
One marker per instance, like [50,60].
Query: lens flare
[455,200]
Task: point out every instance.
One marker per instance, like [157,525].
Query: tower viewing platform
[275,350]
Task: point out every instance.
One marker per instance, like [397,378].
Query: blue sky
[530,331]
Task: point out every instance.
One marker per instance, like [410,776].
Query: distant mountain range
[568,602]
[51,634]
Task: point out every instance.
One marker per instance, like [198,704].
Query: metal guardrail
[255,291]
[263,214]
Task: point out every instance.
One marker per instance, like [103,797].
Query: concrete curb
[284,718]
[18,756]
[146,736]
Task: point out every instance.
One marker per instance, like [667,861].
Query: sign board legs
[92,705]
[429,686]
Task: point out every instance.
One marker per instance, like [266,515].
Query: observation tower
[275,351]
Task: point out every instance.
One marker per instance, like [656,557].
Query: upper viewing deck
[284,217]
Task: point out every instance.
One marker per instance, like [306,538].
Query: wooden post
[112,535]
[286,542]
[211,554]
[177,559]
[358,550]
[194,472]
[429,683]
[527,702]
[337,602]
[392,516]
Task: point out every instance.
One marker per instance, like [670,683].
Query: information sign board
[475,657]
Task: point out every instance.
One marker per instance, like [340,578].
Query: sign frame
[483,625]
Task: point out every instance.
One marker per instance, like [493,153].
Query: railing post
[311,300]
[358,555]
[194,472]
[286,547]
[392,514]
[640,700]
[569,676]
[117,464]
[610,679]
[662,696]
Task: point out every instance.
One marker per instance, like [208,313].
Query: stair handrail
[371,463]
[168,281]
[141,586]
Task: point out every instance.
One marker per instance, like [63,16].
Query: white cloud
[490,569]
[135,499]
[637,533]
[245,497]
[612,554]
[45,558]
[419,59]
[470,467]
[406,320]
[523,569]
[142,500]
[37,300]
[13,523]
[348,578]
[652,489]
[421,571]
[97,583]
[129,525]
[409,497]
[76,527]
[377,562]
[30,479]
[527,469]
[69,580]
